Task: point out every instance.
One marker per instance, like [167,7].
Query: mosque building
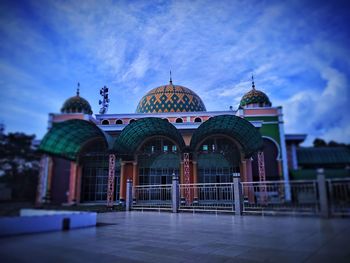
[88,159]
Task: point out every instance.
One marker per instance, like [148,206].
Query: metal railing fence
[152,196]
[339,196]
[207,197]
[271,197]
[322,197]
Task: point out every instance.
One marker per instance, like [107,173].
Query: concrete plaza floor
[184,237]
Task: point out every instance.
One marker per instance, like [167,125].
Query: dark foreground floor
[166,237]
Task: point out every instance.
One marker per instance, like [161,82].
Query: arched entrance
[271,158]
[158,159]
[218,157]
[94,181]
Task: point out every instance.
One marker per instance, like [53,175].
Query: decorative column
[262,178]
[243,170]
[72,183]
[182,181]
[249,190]
[111,175]
[195,181]
[187,178]
[122,189]
[135,181]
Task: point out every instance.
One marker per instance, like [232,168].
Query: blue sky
[299,54]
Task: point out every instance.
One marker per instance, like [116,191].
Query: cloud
[294,50]
[321,113]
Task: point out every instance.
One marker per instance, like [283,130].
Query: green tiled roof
[135,133]
[237,128]
[323,155]
[311,174]
[66,138]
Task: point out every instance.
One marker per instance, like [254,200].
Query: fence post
[238,195]
[128,195]
[175,194]
[322,192]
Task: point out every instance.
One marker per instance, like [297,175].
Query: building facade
[88,159]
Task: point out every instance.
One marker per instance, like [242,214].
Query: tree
[19,165]
[319,143]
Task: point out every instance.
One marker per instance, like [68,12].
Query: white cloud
[211,47]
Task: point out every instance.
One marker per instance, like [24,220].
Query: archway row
[67,139]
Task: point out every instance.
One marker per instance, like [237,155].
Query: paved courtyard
[166,237]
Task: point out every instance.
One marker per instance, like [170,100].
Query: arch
[105,122]
[272,170]
[137,132]
[179,120]
[197,119]
[119,122]
[277,146]
[131,121]
[235,127]
[217,158]
[156,162]
[67,138]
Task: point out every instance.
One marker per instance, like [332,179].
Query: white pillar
[128,195]
[175,194]
[322,191]
[238,195]
[284,156]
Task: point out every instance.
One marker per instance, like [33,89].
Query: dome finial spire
[253,84]
[171,80]
[78,88]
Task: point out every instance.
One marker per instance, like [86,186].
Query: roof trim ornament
[78,89]
[171,80]
[253,84]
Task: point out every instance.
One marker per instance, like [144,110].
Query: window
[165,148]
[105,122]
[118,122]
[179,120]
[197,119]
[174,148]
[131,121]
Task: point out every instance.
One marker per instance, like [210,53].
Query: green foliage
[322,143]
[319,143]
[19,165]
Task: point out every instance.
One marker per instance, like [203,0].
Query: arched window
[179,120]
[166,119]
[158,159]
[132,120]
[218,158]
[105,122]
[197,119]
[118,122]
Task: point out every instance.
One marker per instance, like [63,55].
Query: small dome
[76,104]
[255,98]
[170,98]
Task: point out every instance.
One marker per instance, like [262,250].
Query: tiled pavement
[166,237]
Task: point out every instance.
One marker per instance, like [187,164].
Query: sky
[297,50]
